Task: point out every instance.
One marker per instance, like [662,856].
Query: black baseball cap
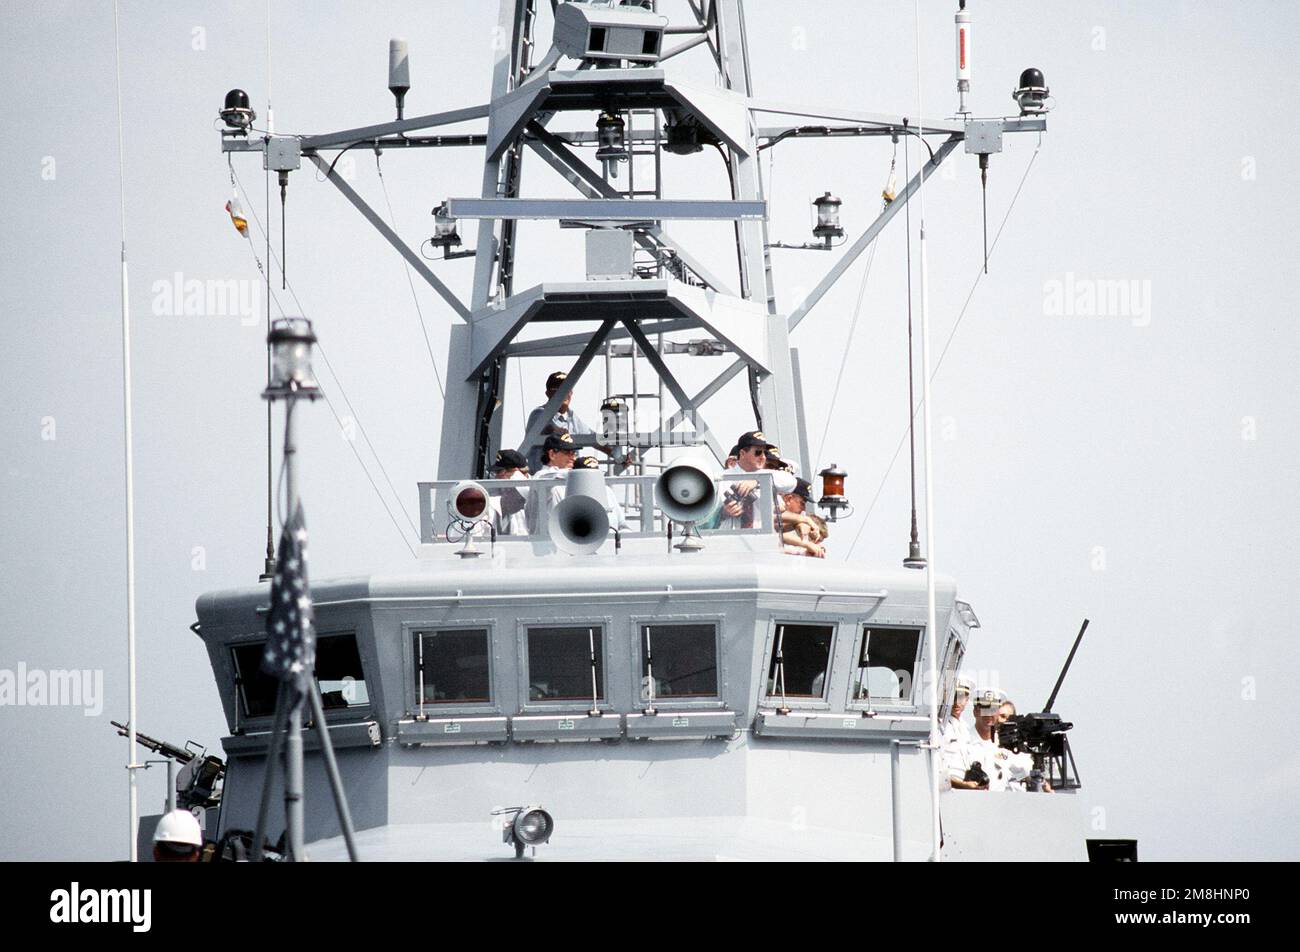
[734,451]
[554,380]
[561,442]
[753,438]
[774,460]
[586,462]
[803,488]
[510,459]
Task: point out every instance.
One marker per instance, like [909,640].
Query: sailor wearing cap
[564,420]
[742,498]
[957,736]
[560,454]
[799,530]
[508,506]
[1006,770]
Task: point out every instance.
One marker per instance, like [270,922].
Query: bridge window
[338,672]
[560,663]
[801,655]
[684,659]
[256,690]
[454,665]
[886,664]
[951,665]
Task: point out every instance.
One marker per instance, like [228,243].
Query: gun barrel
[178,754]
[1060,680]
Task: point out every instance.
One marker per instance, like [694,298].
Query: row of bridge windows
[566,664]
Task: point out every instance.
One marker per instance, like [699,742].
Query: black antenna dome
[1032,77]
[237,99]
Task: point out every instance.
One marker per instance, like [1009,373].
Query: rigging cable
[342,392]
[947,343]
[392,221]
[848,345]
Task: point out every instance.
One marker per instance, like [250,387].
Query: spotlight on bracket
[611,148]
[237,114]
[525,827]
[1032,93]
[445,234]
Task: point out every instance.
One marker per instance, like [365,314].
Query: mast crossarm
[366,133]
[773,134]
[392,237]
[607,209]
[925,127]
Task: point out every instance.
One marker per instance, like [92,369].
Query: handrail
[651,521]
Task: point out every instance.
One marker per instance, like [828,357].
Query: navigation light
[291,340]
[828,218]
[833,499]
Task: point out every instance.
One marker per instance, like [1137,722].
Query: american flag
[290,639]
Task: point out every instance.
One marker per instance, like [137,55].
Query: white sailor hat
[990,697]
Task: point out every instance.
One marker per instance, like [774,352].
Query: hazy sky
[1128,461]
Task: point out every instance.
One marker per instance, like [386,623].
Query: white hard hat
[179,827]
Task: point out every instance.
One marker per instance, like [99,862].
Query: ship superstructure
[660,690]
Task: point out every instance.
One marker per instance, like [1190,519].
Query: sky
[1128,459]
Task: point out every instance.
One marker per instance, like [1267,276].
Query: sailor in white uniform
[559,454]
[957,735]
[508,505]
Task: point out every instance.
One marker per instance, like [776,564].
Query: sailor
[508,506]
[1006,770]
[616,518]
[177,838]
[1021,763]
[741,501]
[957,737]
[564,420]
[799,531]
[560,454]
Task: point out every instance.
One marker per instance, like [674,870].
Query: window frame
[714,702]
[910,703]
[958,644]
[412,631]
[608,658]
[245,720]
[775,621]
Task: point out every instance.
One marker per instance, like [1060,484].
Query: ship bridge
[647,684]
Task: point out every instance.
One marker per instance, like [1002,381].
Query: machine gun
[1042,735]
[200,772]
